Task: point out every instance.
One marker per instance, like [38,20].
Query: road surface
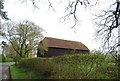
[4,70]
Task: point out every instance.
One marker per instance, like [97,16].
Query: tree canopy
[23,37]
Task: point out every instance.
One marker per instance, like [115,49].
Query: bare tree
[108,24]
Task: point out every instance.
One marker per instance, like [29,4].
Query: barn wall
[60,51]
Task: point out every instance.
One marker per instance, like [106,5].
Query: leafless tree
[108,24]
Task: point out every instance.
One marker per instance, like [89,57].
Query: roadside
[23,73]
[4,70]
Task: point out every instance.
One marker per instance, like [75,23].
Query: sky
[50,21]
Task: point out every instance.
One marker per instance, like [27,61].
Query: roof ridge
[64,39]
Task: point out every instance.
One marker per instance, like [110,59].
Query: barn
[57,47]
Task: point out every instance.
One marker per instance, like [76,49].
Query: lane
[4,71]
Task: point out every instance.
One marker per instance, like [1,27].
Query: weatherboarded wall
[60,51]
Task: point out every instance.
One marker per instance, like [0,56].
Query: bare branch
[107,23]
[50,5]
[71,11]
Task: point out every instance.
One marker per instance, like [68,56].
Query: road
[4,71]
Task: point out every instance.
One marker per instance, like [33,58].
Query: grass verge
[20,73]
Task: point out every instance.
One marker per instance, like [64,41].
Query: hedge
[5,59]
[77,66]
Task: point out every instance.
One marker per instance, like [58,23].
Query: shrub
[5,59]
[76,66]
[41,65]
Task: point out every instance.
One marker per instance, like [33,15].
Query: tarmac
[5,71]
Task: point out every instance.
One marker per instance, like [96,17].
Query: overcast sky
[50,21]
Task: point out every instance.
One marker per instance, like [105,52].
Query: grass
[20,73]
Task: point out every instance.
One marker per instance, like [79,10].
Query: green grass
[20,73]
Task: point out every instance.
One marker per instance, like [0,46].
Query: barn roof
[60,43]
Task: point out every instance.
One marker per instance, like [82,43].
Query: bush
[41,65]
[2,58]
[5,59]
[77,66]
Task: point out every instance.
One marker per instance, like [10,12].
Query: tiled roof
[60,43]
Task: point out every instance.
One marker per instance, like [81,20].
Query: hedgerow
[84,66]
